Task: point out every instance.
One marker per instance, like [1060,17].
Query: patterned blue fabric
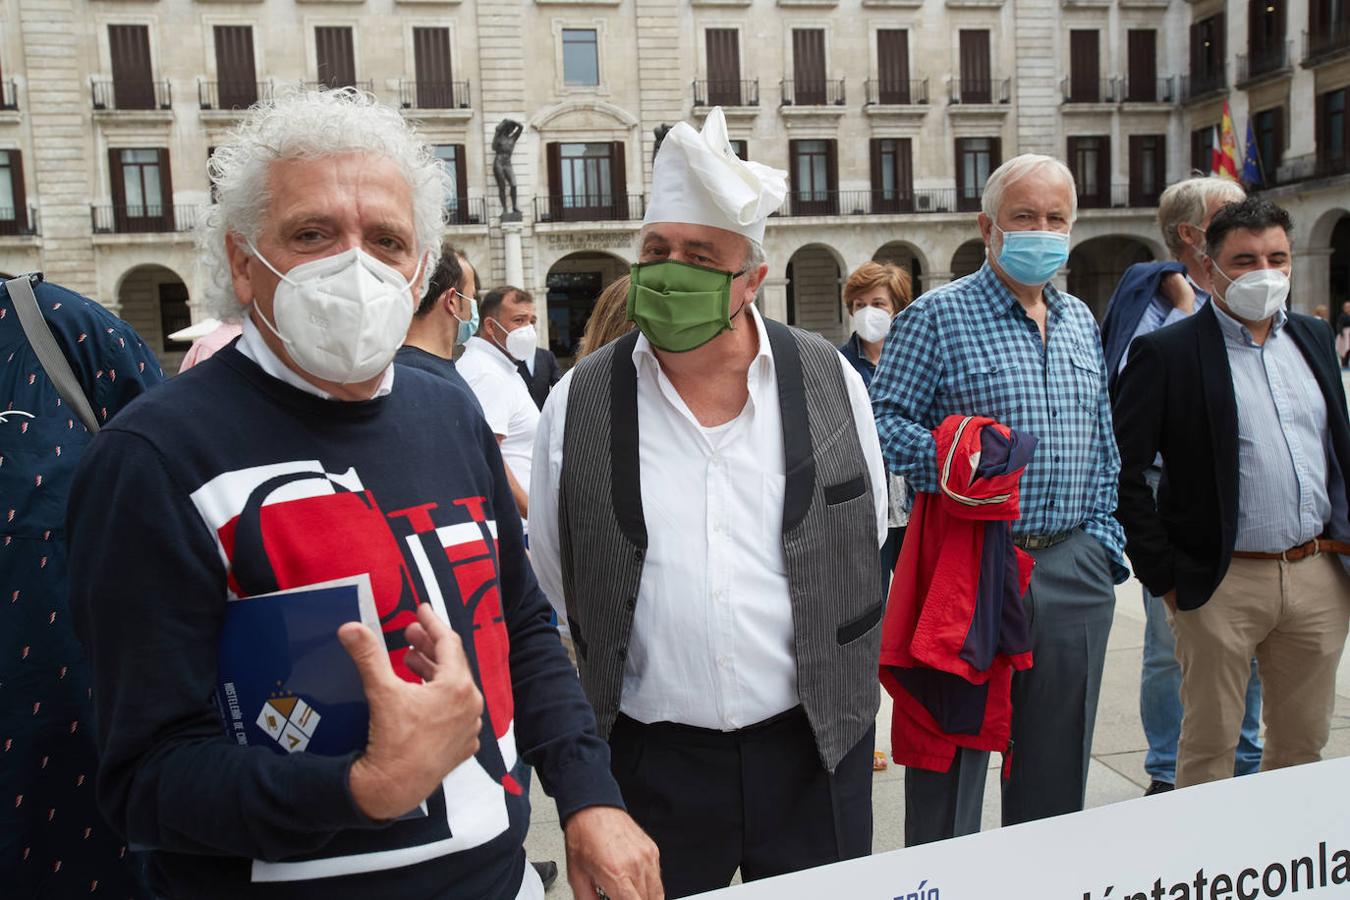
[1160,313]
[968,348]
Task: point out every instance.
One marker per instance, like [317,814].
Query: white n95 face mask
[1256,295]
[871,324]
[341,318]
[522,342]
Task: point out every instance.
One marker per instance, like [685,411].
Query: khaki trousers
[1293,618]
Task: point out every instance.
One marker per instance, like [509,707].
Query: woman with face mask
[873,294]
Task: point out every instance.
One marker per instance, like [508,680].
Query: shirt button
[1054,414]
[1056,457]
[1052,504]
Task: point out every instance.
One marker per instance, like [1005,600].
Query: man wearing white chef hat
[711,500]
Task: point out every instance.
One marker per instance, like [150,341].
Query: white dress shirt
[252,346]
[506,401]
[712,643]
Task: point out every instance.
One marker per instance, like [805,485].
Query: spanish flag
[1225,155]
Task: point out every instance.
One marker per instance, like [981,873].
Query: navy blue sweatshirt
[226,481]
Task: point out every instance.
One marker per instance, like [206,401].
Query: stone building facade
[888,115]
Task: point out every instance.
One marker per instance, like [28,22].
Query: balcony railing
[721,92]
[433,94]
[977,91]
[868,202]
[589,207]
[213,95]
[1326,42]
[813,93]
[1204,84]
[881,92]
[147,219]
[367,86]
[1148,90]
[1264,62]
[18,222]
[1098,90]
[471,211]
[9,95]
[130,95]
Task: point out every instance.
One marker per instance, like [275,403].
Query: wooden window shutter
[1083,66]
[874,146]
[166,188]
[132,74]
[724,67]
[553,160]
[960,170]
[236,73]
[1197,50]
[808,64]
[431,63]
[976,85]
[117,184]
[618,172]
[336,64]
[832,175]
[1104,170]
[461,180]
[904,173]
[893,65]
[17,191]
[1143,65]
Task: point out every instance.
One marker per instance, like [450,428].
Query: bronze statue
[660,131]
[503,145]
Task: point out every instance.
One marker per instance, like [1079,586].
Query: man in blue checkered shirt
[1005,343]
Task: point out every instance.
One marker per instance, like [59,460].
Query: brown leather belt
[1313,548]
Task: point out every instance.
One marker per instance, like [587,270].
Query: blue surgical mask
[1032,257]
[470,328]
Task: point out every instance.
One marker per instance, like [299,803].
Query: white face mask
[341,318]
[520,343]
[871,324]
[1257,295]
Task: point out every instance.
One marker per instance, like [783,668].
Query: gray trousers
[1071,601]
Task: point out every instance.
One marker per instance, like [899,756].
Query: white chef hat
[698,180]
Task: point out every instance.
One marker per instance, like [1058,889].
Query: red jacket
[955,626]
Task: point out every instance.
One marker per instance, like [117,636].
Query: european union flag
[1251,162]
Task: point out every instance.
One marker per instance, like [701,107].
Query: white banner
[1276,834]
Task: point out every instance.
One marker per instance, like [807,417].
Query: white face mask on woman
[871,324]
[341,318]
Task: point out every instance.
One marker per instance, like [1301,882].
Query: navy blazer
[1126,308]
[1185,541]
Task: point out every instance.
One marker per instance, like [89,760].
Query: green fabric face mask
[678,306]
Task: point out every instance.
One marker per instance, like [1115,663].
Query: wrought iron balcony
[131,218]
[1148,90]
[109,94]
[1097,90]
[1203,84]
[433,94]
[979,91]
[828,92]
[19,222]
[220,95]
[367,86]
[470,211]
[1251,66]
[721,92]
[9,95]
[874,202]
[1326,42]
[884,92]
[589,207]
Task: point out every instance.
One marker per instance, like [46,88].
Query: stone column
[773,299]
[513,257]
[1311,281]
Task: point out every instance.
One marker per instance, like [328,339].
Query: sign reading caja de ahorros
[1275,834]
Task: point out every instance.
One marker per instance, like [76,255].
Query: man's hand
[418,732]
[1178,291]
[607,851]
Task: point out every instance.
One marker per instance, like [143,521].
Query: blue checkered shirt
[968,348]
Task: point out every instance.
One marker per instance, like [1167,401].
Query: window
[724,67]
[1333,131]
[236,75]
[457,206]
[587,182]
[336,59]
[1265,35]
[808,67]
[976,83]
[893,66]
[1084,64]
[1142,50]
[133,79]
[1269,127]
[431,61]
[1203,142]
[975,159]
[1328,26]
[1090,160]
[174,314]
[581,60]
[141,189]
[1148,168]
[13,206]
[813,173]
[892,175]
[1207,55]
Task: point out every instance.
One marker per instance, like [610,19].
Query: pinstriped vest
[829,533]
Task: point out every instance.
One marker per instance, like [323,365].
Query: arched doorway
[1096,266]
[967,259]
[154,301]
[906,257]
[814,278]
[573,283]
[1340,265]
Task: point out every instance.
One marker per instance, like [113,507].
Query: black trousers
[757,799]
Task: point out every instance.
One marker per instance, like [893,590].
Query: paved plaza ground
[1117,771]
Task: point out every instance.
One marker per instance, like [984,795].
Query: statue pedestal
[514,257]
[512,216]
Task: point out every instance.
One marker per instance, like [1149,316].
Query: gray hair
[308,125]
[1186,202]
[754,255]
[1019,167]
